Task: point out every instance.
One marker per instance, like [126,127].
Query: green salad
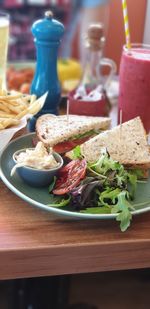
[103,187]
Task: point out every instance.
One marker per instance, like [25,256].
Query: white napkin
[7,134]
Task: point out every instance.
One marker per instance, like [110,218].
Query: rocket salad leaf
[123,208]
[57,201]
[108,197]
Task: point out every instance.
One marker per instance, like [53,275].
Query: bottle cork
[95,31]
[95,37]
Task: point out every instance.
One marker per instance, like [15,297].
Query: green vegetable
[77,153]
[109,195]
[58,201]
[94,173]
[86,134]
[106,188]
[52,185]
[104,164]
[133,181]
[123,208]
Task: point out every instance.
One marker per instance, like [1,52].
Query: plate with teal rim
[39,197]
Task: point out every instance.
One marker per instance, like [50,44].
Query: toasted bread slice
[52,130]
[126,143]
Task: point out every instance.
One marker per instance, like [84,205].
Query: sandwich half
[126,144]
[63,134]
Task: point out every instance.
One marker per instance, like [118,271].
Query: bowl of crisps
[15,109]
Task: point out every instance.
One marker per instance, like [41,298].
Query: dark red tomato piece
[63,147]
[69,145]
[69,176]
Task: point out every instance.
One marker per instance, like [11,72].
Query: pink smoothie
[134,96]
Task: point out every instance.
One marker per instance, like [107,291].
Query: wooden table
[35,243]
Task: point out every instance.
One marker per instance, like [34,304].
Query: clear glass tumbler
[4,37]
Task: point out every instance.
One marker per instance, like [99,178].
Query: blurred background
[75,15]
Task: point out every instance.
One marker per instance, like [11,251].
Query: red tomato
[69,177]
[69,145]
[63,147]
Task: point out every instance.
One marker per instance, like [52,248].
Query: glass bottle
[94,46]
[95,62]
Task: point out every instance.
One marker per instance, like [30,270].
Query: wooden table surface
[35,243]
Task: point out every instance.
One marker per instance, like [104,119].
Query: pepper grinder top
[47,29]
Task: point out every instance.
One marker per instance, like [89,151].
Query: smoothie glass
[4,36]
[134,94]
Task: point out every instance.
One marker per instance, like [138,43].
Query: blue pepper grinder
[47,34]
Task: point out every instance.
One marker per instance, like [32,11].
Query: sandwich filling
[74,141]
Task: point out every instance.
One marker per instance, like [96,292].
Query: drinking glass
[4,36]
[134,94]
